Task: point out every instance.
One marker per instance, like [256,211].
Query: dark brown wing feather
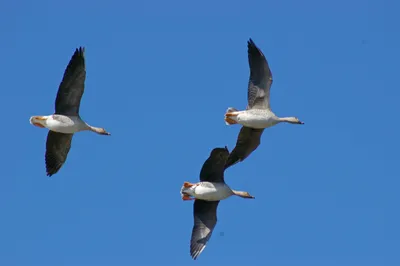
[248,140]
[213,168]
[205,219]
[260,80]
[72,86]
[57,148]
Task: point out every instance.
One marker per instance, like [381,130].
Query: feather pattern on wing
[260,80]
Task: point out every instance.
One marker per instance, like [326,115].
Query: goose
[66,119]
[258,114]
[206,195]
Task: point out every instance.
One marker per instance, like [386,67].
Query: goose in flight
[66,119]
[258,114]
[207,194]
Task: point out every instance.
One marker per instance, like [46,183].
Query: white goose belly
[65,124]
[209,191]
[257,119]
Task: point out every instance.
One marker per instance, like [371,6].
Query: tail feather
[183,191]
[186,188]
[230,116]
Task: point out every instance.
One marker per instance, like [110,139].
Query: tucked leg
[187,185]
[186,197]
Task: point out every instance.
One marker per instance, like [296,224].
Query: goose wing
[72,86]
[205,219]
[213,168]
[260,80]
[57,148]
[248,140]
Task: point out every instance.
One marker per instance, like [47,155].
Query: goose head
[39,121]
[291,120]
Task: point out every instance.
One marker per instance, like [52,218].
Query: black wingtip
[195,252]
[52,170]
[252,47]
[250,43]
[80,51]
[253,51]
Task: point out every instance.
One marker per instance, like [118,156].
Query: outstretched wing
[260,80]
[213,168]
[248,140]
[205,219]
[72,86]
[57,148]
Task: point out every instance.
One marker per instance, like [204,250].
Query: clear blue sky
[160,75]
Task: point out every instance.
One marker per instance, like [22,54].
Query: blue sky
[160,75]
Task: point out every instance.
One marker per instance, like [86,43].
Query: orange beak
[40,118]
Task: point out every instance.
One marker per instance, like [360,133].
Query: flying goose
[66,120]
[258,114]
[207,193]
